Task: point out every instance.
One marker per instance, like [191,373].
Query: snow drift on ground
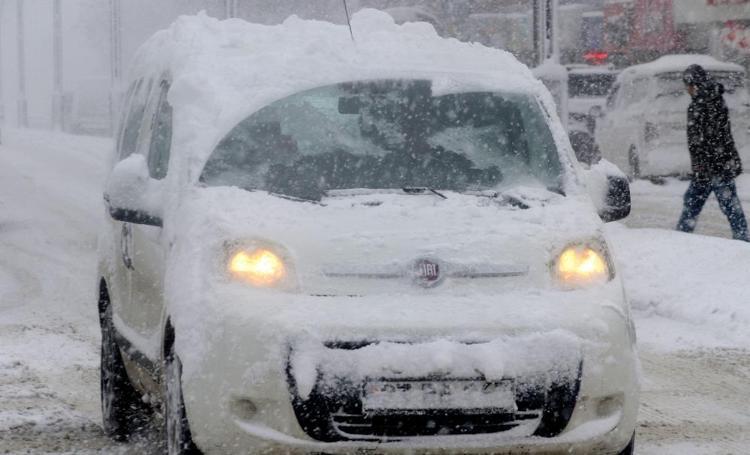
[50,207]
[687,278]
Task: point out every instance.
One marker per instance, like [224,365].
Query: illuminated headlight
[581,266]
[260,267]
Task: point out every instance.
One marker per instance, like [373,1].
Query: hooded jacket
[710,142]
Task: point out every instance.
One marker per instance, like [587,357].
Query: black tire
[123,411]
[179,440]
[630,449]
[634,164]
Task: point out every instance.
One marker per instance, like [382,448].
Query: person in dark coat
[713,155]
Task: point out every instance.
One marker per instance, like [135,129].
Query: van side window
[121,115]
[641,88]
[627,94]
[134,120]
[161,136]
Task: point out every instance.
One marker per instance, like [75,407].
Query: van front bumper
[293,384]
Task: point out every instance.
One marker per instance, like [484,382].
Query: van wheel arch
[124,413]
[178,437]
[104,300]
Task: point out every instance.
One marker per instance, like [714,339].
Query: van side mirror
[609,189]
[131,195]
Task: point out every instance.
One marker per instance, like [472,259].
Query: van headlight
[582,265]
[260,266]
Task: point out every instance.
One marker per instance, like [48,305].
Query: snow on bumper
[275,371]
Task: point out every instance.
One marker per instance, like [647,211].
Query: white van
[317,246]
[642,128]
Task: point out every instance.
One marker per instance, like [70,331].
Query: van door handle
[126,241]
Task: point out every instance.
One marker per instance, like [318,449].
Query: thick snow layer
[687,278]
[222,71]
[671,63]
[537,354]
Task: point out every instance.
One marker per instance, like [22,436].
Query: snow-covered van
[642,128]
[314,245]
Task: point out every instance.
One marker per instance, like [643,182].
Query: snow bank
[686,277]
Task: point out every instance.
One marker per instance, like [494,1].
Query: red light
[596,57]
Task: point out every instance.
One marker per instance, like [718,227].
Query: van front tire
[630,449]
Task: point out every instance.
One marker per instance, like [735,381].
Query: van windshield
[388,134]
[671,84]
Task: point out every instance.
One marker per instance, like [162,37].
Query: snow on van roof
[672,63]
[223,70]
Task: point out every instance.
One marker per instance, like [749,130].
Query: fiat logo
[426,272]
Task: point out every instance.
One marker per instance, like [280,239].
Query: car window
[122,115]
[634,91]
[387,134]
[626,94]
[641,89]
[161,135]
[589,85]
[134,119]
[671,84]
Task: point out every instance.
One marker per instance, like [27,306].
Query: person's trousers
[726,193]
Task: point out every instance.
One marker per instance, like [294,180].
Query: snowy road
[659,206]
[695,376]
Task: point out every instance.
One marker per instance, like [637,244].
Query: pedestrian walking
[713,155]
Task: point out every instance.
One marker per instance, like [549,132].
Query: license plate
[438,395]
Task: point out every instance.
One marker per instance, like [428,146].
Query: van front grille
[354,426]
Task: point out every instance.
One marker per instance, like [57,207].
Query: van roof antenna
[348,20]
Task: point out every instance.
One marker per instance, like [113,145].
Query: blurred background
[62,62]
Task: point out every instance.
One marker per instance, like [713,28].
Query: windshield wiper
[506,199]
[422,190]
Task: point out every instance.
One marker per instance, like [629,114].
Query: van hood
[370,243]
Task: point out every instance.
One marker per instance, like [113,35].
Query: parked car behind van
[642,128]
[317,246]
[588,87]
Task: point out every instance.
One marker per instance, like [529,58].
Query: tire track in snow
[34,419]
[696,397]
[19,286]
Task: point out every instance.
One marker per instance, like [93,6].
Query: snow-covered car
[314,245]
[587,91]
[643,126]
